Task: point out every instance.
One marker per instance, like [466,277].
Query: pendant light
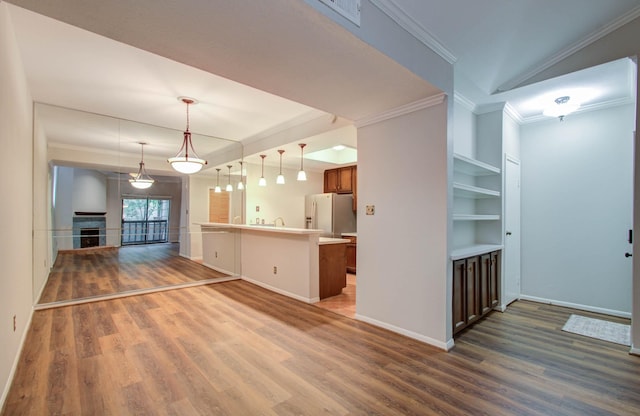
[240,183]
[280,178]
[262,181]
[302,176]
[229,187]
[217,189]
[187,161]
[141,180]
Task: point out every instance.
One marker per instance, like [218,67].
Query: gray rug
[597,328]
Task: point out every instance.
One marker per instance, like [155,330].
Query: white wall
[464,130]
[42,255]
[286,201]
[89,191]
[16,167]
[402,249]
[576,209]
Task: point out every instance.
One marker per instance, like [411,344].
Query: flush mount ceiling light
[302,176]
[217,188]
[561,107]
[187,161]
[229,187]
[240,183]
[280,178]
[262,181]
[141,180]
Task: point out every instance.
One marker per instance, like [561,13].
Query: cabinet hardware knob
[508,232]
[628,254]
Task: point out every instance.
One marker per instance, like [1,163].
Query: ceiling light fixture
[229,187]
[302,176]
[262,181]
[141,180]
[240,183]
[561,108]
[217,188]
[187,161]
[280,178]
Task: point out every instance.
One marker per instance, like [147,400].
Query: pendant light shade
[217,189]
[302,176]
[262,181]
[229,187]
[187,161]
[141,180]
[240,183]
[280,178]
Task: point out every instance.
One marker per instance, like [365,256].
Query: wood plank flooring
[237,349]
[81,274]
[344,303]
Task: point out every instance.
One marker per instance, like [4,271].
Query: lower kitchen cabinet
[351,254]
[476,282]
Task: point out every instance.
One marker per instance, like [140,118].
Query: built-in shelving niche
[477,207]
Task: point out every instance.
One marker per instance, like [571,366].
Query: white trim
[586,41]
[634,351]
[280,291]
[428,340]
[408,23]
[578,306]
[402,110]
[218,269]
[464,101]
[583,109]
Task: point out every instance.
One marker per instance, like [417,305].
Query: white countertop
[261,228]
[349,234]
[328,240]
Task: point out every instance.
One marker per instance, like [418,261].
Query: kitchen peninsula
[294,262]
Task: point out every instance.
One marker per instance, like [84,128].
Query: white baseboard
[280,291]
[218,269]
[427,340]
[634,351]
[16,361]
[587,308]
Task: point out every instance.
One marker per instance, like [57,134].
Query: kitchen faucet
[276,220]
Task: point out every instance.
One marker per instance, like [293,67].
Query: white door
[511,272]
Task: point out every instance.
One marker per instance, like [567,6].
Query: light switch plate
[370,209]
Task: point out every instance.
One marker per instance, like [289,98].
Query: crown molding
[402,110]
[408,23]
[584,109]
[464,101]
[589,39]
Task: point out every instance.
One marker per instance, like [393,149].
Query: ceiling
[128,61]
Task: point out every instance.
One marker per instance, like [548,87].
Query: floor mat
[597,328]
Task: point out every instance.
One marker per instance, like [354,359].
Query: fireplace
[89,230]
[89,237]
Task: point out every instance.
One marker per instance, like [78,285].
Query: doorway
[145,220]
[511,279]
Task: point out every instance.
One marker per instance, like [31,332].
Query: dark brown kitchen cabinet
[339,180]
[476,282]
[351,253]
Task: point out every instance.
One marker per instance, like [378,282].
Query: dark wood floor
[79,274]
[237,349]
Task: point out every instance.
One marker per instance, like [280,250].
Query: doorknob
[628,254]
[508,232]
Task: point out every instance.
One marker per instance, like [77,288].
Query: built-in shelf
[473,167]
[474,250]
[470,191]
[474,217]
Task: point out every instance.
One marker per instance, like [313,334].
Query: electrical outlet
[216,254]
[370,209]
[15,324]
[275,269]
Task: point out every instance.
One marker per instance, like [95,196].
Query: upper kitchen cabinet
[339,180]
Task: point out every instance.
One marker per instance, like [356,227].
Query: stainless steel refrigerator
[332,213]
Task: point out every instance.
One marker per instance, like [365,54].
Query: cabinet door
[344,180]
[459,314]
[354,186]
[485,283]
[351,255]
[331,180]
[471,296]
[494,279]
